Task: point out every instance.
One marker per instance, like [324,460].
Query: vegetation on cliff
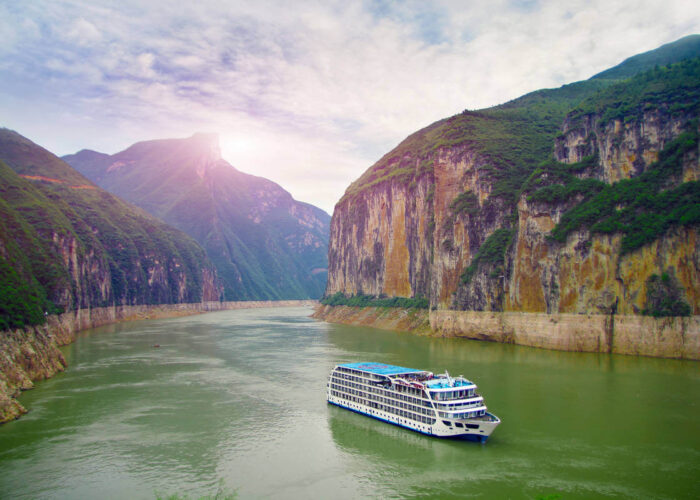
[65,244]
[493,251]
[665,297]
[362,300]
[642,208]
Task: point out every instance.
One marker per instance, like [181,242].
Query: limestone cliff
[565,201]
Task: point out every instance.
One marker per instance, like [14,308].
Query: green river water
[234,401]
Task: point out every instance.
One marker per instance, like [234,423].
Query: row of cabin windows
[389,409]
[383,392]
[382,400]
[349,374]
[458,406]
[447,395]
[460,424]
[471,414]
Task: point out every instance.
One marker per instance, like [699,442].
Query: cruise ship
[437,405]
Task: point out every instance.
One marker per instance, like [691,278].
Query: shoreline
[31,353]
[672,337]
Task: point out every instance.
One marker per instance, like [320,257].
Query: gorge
[74,256]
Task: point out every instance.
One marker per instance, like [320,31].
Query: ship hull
[436,430]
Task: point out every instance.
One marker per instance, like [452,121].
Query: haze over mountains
[264,244]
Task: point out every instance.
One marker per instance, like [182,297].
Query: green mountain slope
[66,244]
[685,48]
[265,245]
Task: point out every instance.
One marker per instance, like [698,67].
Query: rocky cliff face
[265,244]
[589,273]
[407,239]
[433,217]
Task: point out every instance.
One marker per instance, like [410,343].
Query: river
[234,401]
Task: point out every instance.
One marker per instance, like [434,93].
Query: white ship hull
[438,429]
[439,406]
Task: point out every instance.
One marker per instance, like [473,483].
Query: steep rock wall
[624,149]
[406,239]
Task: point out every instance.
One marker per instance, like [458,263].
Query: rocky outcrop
[31,354]
[624,148]
[26,356]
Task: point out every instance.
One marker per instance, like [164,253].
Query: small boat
[437,405]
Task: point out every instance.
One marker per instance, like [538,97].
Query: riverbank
[619,334]
[31,354]
[384,318]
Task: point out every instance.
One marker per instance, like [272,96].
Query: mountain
[582,199]
[265,245]
[66,244]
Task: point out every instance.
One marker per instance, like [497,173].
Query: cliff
[580,200]
[264,244]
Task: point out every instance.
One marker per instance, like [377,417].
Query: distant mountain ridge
[67,245]
[264,244]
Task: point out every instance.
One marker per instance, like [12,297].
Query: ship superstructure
[437,405]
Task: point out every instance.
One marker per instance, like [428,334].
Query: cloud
[84,33]
[318,90]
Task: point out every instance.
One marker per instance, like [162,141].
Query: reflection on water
[239,397]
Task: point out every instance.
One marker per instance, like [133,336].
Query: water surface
[236,400]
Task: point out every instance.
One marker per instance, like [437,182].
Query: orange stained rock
[396,279]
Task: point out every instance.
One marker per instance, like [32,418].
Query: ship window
[472,426]
[448,423]
[459,424]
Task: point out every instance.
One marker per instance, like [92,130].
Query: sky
[308,94]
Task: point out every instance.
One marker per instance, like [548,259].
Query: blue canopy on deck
[380,368]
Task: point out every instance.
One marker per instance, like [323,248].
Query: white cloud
[84,33]
[311,92]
